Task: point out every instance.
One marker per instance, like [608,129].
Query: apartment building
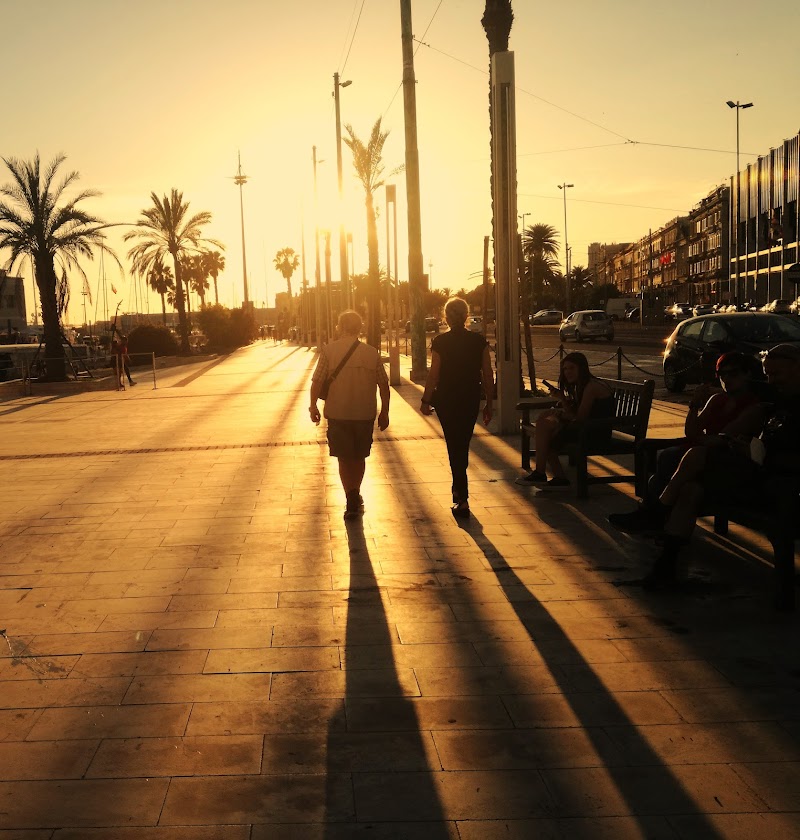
[12,303]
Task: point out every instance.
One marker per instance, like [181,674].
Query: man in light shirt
[351,405]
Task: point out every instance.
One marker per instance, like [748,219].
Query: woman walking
[460,364]
[582,397]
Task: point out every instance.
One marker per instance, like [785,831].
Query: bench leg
[581,475]
[783,547]
[525,449]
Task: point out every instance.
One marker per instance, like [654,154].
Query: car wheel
[578,336]
[673,381]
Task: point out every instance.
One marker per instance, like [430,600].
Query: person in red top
[710,412]
[120,348]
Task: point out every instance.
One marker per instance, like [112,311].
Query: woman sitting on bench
[582,397]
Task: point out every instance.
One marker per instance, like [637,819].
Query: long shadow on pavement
[362,753]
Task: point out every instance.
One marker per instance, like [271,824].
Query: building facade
[765,225]
[12,303]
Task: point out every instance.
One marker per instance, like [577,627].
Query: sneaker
[639,521]
[555,484]
[531,478]
[461,511]
[355,505]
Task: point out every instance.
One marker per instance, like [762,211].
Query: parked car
[431,325]
[795,307]
[780,307]
[475,323]
[678,311]
[547,316]
[703,309]
[634,314]
[587,323]
[694,347]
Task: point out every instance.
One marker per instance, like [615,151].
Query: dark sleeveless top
[461,354]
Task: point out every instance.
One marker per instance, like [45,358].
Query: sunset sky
[157,94]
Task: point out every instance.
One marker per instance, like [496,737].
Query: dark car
[693,349]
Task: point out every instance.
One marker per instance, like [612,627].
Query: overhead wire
[627,140]
[347,31]
[355,29]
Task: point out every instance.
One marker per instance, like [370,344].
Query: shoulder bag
[325,387]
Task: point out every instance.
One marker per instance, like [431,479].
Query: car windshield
[764,328]
[595,316]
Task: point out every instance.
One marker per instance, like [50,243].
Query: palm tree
[540,250]
[161,281]
[198,277]
[287,262]
[215,263]
[52,237]
[166,228]
[368,164]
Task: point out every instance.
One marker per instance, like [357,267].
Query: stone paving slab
[195,646]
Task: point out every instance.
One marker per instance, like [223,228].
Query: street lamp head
[345,84]
[565,186]
[731,103]
[747,105]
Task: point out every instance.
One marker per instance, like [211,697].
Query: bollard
[154,372]
[560,353]
[619,363]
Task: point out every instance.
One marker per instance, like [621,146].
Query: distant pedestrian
[120,348]
[350,405]
[460,365]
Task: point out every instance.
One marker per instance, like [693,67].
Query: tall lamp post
[345,281]
[739,106]
[240,179]
[317,291]
[564,187]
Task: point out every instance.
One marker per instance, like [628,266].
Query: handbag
[326,384]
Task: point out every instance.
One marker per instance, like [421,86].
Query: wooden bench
[778,518]
[626,429]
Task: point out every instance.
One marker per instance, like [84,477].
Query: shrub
[148,338]
[225,328]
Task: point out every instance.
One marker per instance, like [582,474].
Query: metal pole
[416,278]
[346,291]
[328,284]
[317,291]
[241,180]
[564,187]
[154,372]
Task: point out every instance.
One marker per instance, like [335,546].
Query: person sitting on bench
[711,412]
[582,397]
[742,471]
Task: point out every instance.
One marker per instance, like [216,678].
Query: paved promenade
[195,647]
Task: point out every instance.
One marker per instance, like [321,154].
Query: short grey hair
[456,311]
[350,322]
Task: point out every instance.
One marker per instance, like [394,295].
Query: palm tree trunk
[183,326]
[53,343]
[216,292]
[164,308]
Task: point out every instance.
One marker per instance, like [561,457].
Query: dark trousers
[458,425]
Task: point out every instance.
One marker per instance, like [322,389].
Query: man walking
[354,371]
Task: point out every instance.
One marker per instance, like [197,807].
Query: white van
[618,308]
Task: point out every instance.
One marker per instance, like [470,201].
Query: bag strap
[341,364]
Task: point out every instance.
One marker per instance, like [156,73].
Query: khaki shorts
[350,439]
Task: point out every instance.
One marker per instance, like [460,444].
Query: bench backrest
[633,401]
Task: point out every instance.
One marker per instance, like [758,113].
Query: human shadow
[650,787]
[375,739]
